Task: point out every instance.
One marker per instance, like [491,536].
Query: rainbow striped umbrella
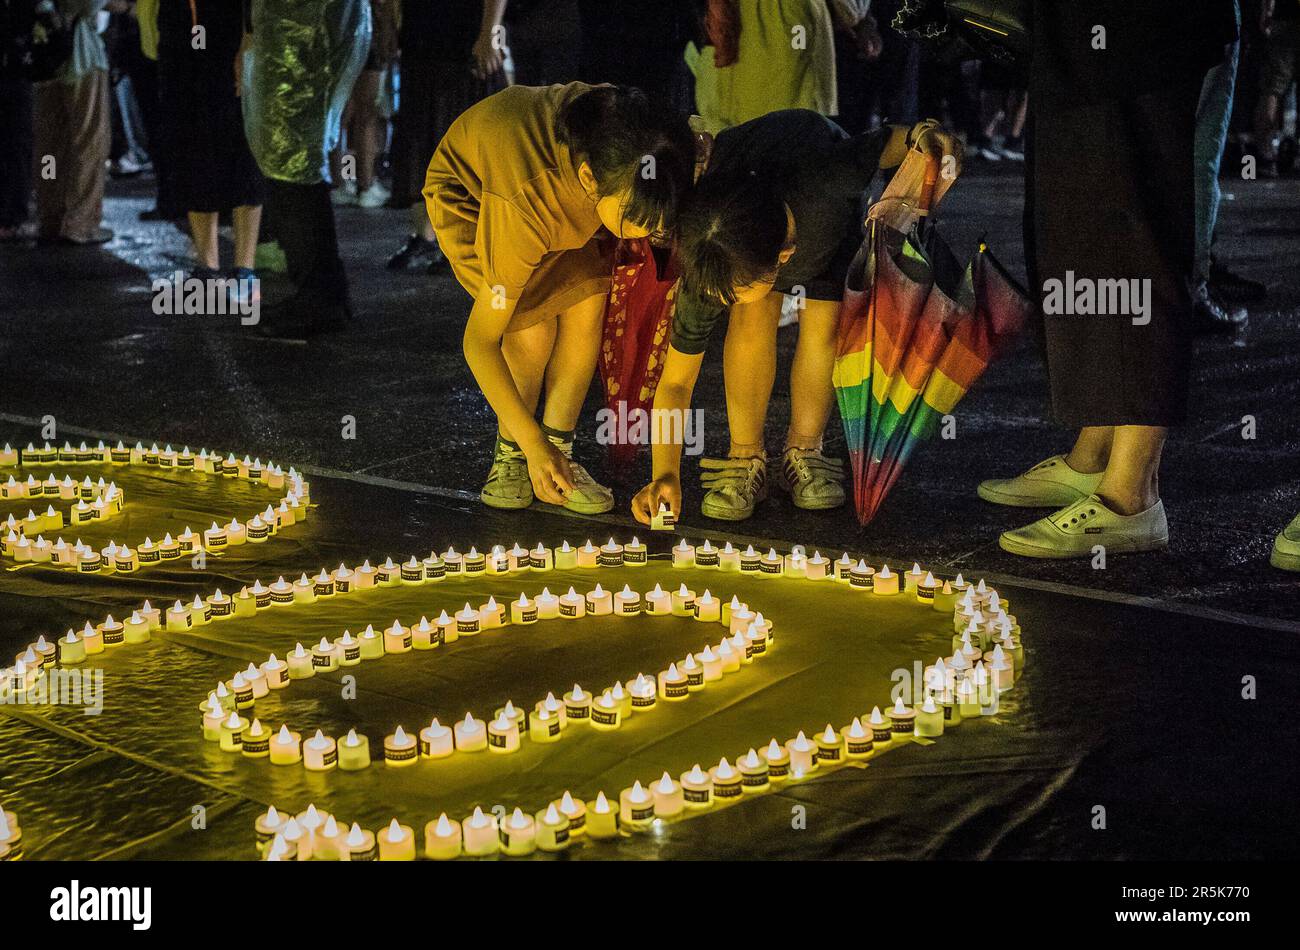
[916,331]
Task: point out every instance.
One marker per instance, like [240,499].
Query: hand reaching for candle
[665,490]
[548,470]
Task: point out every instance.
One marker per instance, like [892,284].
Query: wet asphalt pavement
[79,340]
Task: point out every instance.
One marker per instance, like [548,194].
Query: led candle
[588,555]
[945,598]
[267,826]
[286,747]
[245,605]
[600,602]
[424,635]
[902,719]
[479,834]
[641,693]
[303,590]
[89,562]
[754,771]
[803,753]
[577,704]
[1001,672]
[396,842]
[858,739]
[343,578]
[830,746]
[606,712]
[467,621]
[491,615]
[844,568]
[319,753]
[728,661]
[523,611]
[756,636]
[436,741]
[929,718]
[985,691]
[627,602]
[434,568]
[668,798]
[611,554]
[750,560]
[397,638]
[683,554]
[796,563]
[359,845]
[601,818]
[728,558]
[658,602]
[740,643]
[553,706]
[400,748]
[503,733]
[739,619]
[968,705]
[884,581]
[565,556]
[635,553]
[937,677]
[442,839]
[545,725]
[518,834]
[71,649]
[261,595]
[694,673]
[474,562]
[498,561]
[572,605]
[683,602]
[470,735]
[697,788]
[232,732]
[300,662]
[447,628]
[548,605]
[213,717]
[243,691]
[256,741]
[178,618]
[708,609]
[327,840]
[126,562]
[636,807]
[388,574]
[518,558]
[860,577]
[289,844]
[925,589]
[364,578]
[772,564]
[353,752]
[412,571]
[552,829]
[710,664]
[325,656]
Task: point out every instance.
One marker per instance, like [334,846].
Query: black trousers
[302,220]
[1110,195]
[15,151]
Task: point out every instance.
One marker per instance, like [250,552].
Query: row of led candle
[270,474]
[749,636]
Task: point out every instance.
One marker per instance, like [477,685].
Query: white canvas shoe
[1049,484]
[1286,547]
[1077,529]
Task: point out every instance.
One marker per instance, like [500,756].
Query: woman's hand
[548,470]
[488,57]
[665,490]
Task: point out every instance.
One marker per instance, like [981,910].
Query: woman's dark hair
[634,145]
[731,229]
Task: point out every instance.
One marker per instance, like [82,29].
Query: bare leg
[1091,450]
[573,362]
[526,353]
[420,223]
[749,370]
[1266,126]
[1131,484]
[363,132]
[811,392]
[203,230]
[247,220]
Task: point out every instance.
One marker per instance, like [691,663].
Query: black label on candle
[643,702]
[697,796]
[603,717]
[767,567]
[257,746]
[475,567]
[412,574]
[262,600]
[726,790]
[538,561]
[903,726]
[634,557]
[778,769]
[148,557]
[610,560]
[434,572]
[831,754]
[631,607]
[323,590]
[568,610]
[758,646]
[370,855]
[553,727]
[748,565]
[321,659]
[644,813]
[352,652]
[496,740]
[881,733]
[753,779]
[561,836]
[706,558]
[114,636]
[282,597]
[528,615]
[859,746]
[221,608]
[695,679]
[400,755]
[675,690]
[467,626]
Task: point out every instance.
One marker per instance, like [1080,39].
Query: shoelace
[744,477]
[810,467]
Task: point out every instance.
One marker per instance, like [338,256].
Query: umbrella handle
[928,184]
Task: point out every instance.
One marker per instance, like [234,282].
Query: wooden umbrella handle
[928,184]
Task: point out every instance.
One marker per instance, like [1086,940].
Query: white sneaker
[1049,484]
[1077,529]
[376,196]
[589,497]
[1286,547]
[508,485]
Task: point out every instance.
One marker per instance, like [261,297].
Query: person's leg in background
[814,481]
[88,132]
[15,155]
[1277,72]
[50,152]
[304,226]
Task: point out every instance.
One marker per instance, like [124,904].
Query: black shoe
[1210,318]
[416,252]
[296,319]
[1233,288]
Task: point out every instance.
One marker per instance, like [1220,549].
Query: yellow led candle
[552,829]
[353,752]
[693,672]
[600,602]
[300,663]
[707,609]
[261,595]
[663,519]
[365,578]
[396,842]
[710,664]
[291,843]
[554,707]
[830,746]
[424,635]
[518,558]
[545,726]
[602,819]
[697,788]
[474,562]
[242,690]
[169,549]
[523,611]
[285,747]
[92,640]
[884,581]
[565,557]
[434,568]
[1001,672]
[753,773]
[400,748]
[739,618]
[803,753]
[860,577]
[548,605]
[658,602]
[945,598]
[319,753]
[503,733]
[726,781]
[577,705]
[683,602]
[772,564]
[668,799]
[605,712]
[925,589]
[572,605]
[641,693]
[436,741]
[706,556]
[929,718]
[857,740]
[881,730]
[470,735]
[267,826]
[575,812]
[343,578]
[213,717]
[627,602]
[71,649]
[912,579]
[447,629]
[728,558]
[683,554]
[256,679]
[902,720]
[397,638]
[750,560]
[588,555]
[673,685]
[256,741]
[327,844]
[178,618]
[636,807]
[843,568]
[796,563]
[388,574]
[232,732]
[610,555]
[126,561]
[518,834]
[304,590]
[325,656]
[479,834]
[442,839]
[756,637]
[412,571]
[359,845]
[635,554]
[498,561]
[467,621]
[727,656]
